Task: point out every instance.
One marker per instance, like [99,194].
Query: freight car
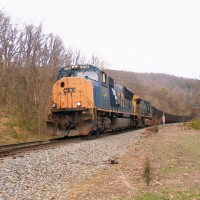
[85,100]
[158,116]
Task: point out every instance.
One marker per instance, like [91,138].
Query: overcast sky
[161,36]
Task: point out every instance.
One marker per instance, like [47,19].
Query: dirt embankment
[169,160]
[13,131]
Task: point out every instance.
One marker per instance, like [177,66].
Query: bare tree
[28,61]
[96,61]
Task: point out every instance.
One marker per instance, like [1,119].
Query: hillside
[169,93]
[29,60]
[22,117]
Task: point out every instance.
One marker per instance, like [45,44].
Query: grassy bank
[174,159]
[13,130]
[161,166]
[194,124]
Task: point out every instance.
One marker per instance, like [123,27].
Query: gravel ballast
[49,174]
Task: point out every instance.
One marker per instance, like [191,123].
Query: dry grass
[12,131]
[194,124]
[172,169]
[147,174]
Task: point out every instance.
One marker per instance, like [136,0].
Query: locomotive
[86,101]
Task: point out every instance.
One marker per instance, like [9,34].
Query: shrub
[147,174]
[194,124]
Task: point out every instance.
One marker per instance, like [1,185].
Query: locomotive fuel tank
[121,123]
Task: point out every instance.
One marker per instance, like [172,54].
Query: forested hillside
[169,93]
[29,59]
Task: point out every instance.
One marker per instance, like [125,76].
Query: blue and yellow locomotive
[85,100]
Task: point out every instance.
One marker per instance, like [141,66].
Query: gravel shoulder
[84,170]
[54,173]
[173,154]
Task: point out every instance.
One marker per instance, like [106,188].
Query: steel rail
[13,149]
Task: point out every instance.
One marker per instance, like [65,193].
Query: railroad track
[18,149]
[15,150]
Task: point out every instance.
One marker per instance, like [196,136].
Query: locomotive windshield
[65,74]
[88,74]
[85,71]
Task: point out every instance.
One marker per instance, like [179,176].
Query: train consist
[85,101]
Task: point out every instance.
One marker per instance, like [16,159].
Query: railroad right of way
[51,173]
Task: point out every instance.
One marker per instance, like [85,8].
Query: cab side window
[103,77]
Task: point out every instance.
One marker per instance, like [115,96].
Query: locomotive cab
[142,110]
[72,111]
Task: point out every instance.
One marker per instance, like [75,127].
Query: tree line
[29,59]
[169,93]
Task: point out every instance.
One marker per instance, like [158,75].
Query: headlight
[78,103]
[74,66]
[54,105]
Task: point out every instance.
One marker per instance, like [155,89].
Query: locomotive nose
[73,93]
